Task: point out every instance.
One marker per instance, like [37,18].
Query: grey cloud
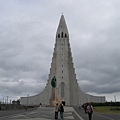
[27,38]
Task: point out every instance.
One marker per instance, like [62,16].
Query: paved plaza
[43,113]
[47,113]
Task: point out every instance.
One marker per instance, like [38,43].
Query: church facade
[62,67]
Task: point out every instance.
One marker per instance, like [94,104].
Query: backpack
[89,109]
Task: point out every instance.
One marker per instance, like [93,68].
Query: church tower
[67,89]
[62,66]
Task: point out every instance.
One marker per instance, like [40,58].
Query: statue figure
[53,82]
[54,93]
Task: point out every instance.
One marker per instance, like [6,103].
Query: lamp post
[115,97]
[7,99]
[27,101]
[3,100]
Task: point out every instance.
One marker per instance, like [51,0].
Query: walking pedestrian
[89,111]
[61,109]
[40,104]
[56,111]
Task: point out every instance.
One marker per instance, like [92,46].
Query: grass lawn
[106,109]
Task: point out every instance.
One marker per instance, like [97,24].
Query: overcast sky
[27,39]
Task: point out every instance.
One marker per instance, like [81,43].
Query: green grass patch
[106,109]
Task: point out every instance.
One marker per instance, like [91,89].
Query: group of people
[59,108]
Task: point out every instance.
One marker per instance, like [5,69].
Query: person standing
[40,104]
[56,111]
[89,111]
[61,109]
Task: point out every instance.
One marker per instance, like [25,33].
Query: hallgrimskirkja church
[66,88]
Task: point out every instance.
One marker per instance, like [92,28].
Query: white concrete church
[62,68]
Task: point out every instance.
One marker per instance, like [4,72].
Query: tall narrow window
[58,35]
[62,90]
[62,34]
[65,35]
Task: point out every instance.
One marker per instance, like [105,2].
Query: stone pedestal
[54,97]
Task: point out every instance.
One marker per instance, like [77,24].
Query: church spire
[62,28]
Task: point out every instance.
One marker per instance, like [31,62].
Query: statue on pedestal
[54,94]
[53,82]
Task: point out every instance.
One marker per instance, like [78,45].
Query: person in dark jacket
[61,109]
[56,111]
[89,110]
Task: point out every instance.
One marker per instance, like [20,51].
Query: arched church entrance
[62,92]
